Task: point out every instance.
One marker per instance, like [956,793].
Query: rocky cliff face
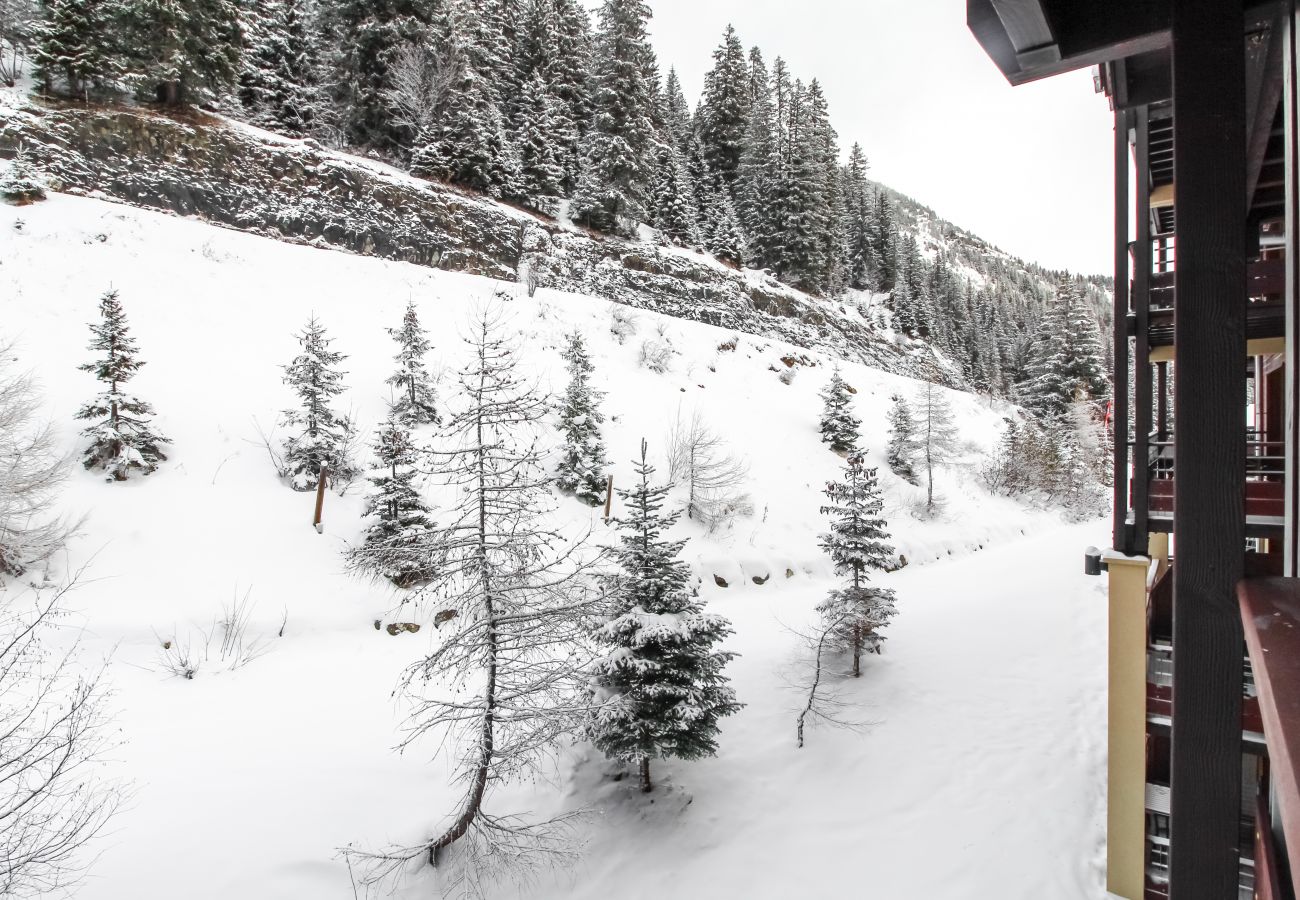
[295,190]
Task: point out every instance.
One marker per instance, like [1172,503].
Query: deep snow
[981,775]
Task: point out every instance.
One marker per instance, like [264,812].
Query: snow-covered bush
[657,356]
[226,644]
[622,323]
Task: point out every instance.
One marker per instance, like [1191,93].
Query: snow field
[980,776]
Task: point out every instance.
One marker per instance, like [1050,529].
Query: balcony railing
[1160,687]
[1265,311]
[1264,477]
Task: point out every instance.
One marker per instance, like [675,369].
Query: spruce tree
[415,401]
[181,51]
[724,111]
[75,43]
[541,166]
[676,113]
[618,161]
[862,264]
[395,545]
[582,463]
[323,438]
[725,237]
[121,435]
[839,427]
[277,84]
[20,183]
[857,544]
[903,444]
[672,203]
[660,687]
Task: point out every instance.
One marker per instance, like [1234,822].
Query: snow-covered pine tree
[723,118]
[181,51]
[277,83]
[672,203]
[508,676]
[464,139]
[20,183]
[725,238]
[618,158]
[660,687]
[676,113]
[862,265]
[759,171]
[902,449]
[396,542]
[839,427]
[121,434]
[323,438]
[857,544]
[541,169]
[358,61]
[555,43]
[936,433]
[415,400]
[582,460]
[74,43]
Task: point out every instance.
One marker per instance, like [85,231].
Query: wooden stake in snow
[320,498]
[609,496]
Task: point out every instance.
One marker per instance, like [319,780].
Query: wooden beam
[1142,389]
[1119,411]
[1028,31]
[1263,94]
[1209,439]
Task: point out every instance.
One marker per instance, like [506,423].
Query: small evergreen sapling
[858,544]
[396,543]
[415,402]
[19,183]
[121,436]
[660,686]
[583,461]
[839,426]
[325,438]
[902,449]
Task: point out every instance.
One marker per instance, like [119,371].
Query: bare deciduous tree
[508,678]
[31,472]
[823,703]
[18,19]
[699,459]
[421,79]
[54,797]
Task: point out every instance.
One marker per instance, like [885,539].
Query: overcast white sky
[1027,168]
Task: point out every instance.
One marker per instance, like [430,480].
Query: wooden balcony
[1264,478]
[1270,614]
[1265,312]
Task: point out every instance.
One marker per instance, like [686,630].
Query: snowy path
[983,776]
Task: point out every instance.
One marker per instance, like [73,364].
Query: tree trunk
[857,650]
[169,93]
[646,785]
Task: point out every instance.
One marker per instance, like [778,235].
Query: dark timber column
[1119,410]
[1290,119]
[1142,392]
[1209,82]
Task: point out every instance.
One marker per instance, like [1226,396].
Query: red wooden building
[1204,762]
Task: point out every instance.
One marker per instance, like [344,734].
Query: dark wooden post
[1142,342]
[1119,410]
[1209,80]
[320,497]
[609,496]
[1290,120]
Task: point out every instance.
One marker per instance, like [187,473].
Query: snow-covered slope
[978,777]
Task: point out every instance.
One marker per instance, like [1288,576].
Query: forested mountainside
[532,103]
